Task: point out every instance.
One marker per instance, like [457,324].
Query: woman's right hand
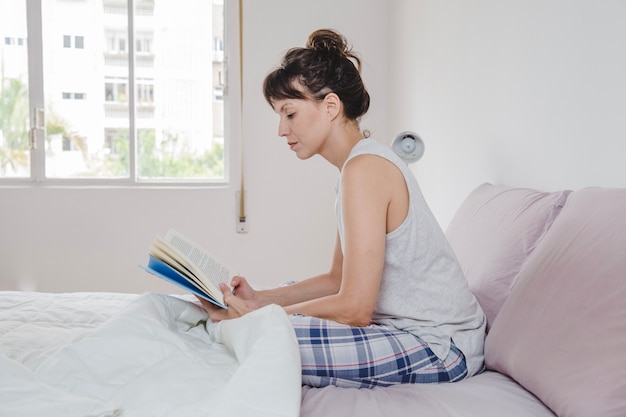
[240,301]
[243,290]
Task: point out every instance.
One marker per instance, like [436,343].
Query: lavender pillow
[492,234]
[562,332]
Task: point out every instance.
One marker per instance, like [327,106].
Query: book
[177,259]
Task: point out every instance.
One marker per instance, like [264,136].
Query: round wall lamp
[408,146]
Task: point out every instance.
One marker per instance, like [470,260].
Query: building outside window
[107,113]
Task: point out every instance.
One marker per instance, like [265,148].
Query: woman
[395,306]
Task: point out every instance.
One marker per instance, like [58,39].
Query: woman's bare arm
[366,198]
[312,288]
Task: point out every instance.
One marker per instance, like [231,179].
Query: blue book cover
[162,270]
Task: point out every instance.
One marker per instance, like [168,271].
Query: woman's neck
[340,144]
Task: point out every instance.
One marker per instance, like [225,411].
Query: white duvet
[150,355]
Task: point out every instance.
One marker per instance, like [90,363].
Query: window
[145,93]
[115,91]
[113,106]
[79,42]
[143,43]
[116,42]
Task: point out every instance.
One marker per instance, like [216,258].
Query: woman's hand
[238,305]
[242,289]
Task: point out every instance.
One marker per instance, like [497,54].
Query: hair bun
[328,40]
[331,43]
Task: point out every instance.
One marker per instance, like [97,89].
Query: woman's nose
[283,130]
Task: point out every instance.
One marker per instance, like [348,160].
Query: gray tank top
[423,289]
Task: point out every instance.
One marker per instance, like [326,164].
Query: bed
[108,355]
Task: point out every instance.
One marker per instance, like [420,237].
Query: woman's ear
[333,105]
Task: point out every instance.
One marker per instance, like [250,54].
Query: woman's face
[304,123]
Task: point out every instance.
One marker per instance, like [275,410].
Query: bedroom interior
[517,94]
[514,93]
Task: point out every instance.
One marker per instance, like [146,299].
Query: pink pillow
[562,332]
[492,234]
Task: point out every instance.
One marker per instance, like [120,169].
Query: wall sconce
[408,146]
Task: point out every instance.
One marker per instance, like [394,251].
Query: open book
[177,259]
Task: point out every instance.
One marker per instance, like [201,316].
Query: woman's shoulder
[371,146]
[372,154]
[364,163]
[368,145]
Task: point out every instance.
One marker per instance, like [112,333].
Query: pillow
[492,234]
[561,334]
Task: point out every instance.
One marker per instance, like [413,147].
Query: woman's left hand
[237,307]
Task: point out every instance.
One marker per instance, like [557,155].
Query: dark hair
[325,65]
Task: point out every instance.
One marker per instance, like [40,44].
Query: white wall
[83,239]
[527,93]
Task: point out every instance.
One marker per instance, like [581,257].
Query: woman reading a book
[394,306]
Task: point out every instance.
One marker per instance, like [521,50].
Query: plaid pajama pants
[364,357]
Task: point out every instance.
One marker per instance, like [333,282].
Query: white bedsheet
[150,355]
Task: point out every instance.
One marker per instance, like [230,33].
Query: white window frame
[232,109]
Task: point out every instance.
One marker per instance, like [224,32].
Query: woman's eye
[290,115]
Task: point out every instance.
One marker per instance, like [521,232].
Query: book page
[207,265]
[163,253]
[179,262]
